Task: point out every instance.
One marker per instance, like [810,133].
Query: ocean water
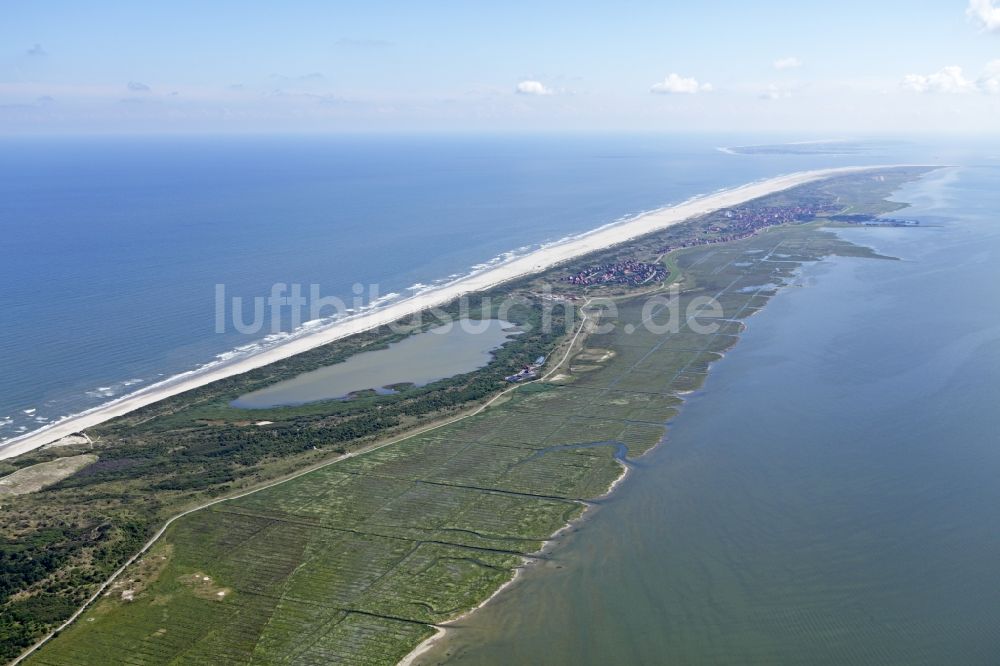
[829,497]
[111,248]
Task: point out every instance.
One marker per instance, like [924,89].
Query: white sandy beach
[524,265]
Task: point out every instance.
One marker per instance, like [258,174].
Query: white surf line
[534,262]
[159,533]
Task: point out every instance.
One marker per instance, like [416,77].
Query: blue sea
[111,249]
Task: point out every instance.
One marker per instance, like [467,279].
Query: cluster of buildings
[628,273]
[744,221]
[529,371]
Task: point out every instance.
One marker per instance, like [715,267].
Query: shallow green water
[830,497]
[445,351]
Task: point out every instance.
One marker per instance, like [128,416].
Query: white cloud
[530,87]
[791,62]
[675,83]
[986,13]
[136,86]
[948,80]
[989,82]
[774,91]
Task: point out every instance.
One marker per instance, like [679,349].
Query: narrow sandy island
[525,265]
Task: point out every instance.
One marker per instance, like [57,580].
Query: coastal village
[725,226]
[628,273]
[729,225]
[744,221]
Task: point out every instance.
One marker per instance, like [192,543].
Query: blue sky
[769,65]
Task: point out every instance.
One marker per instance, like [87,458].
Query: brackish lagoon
[448,350]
